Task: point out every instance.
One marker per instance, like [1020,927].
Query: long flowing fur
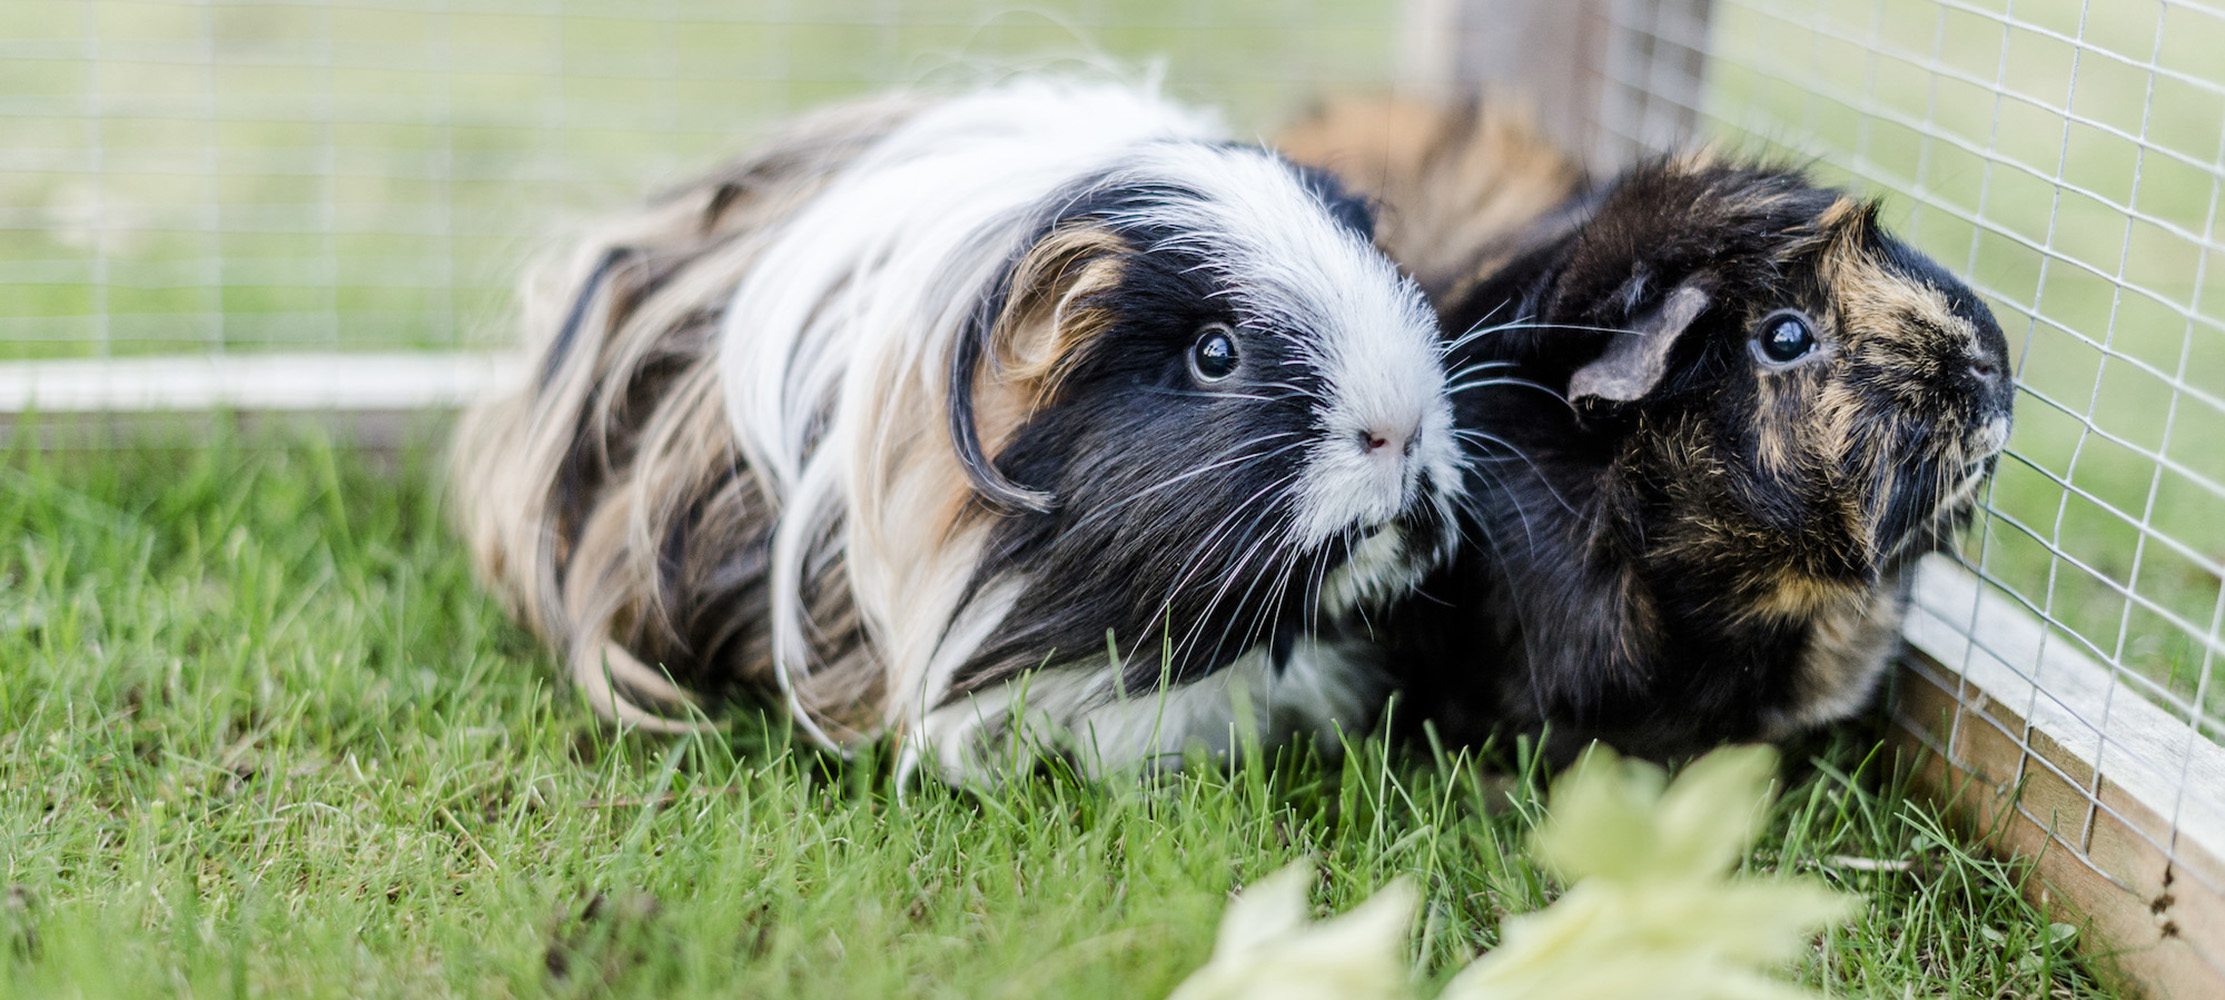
[841,423]
[607,499]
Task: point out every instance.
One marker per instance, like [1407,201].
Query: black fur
[1580,601]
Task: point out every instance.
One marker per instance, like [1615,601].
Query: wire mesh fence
[2067,158]
[218,175]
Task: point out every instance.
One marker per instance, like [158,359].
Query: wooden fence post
[1608,79]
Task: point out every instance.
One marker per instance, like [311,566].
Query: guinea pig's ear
[1021,343]
[1635,361]
[1850,223]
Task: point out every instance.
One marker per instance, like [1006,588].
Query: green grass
[260,735]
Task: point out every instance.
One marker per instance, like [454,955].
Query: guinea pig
[1035,415]
[1713,412]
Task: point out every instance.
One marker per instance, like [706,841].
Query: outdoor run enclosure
[305,207]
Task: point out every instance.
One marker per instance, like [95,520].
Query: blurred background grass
[2065,157]
[369,174]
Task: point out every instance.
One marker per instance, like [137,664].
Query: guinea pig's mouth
[1956,503]
[1374,567]
[1371,565]
[1988,440]
[1984,447]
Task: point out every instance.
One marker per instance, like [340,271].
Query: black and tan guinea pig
[1038,413]
[1712,413]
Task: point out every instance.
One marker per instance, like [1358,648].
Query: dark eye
[1785,337]
[1213,357]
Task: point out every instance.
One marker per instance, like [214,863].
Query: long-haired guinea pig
[1039,413]
[1712,414]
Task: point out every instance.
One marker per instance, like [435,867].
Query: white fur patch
[1379,569]
[1076,712]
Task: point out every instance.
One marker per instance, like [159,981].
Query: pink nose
[1378,440]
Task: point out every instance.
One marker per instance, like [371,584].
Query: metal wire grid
[2068,158]
[209,175]
[1652,65]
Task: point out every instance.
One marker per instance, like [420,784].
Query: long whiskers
[1279,536]
[1219,463]
[1212,540]
[1486,438]
[1479,331]
[1524,383]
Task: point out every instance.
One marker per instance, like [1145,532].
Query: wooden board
[2032,745]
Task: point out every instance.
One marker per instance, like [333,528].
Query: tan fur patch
[1872,300]
[912,503]
[1048,324]
[1796,595]
[1771,574]
[1776,441]
[1452,188]
[1847,652]
[1849,218]
[1051,321]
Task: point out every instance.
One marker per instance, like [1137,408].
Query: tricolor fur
[897,417]
[1674,537]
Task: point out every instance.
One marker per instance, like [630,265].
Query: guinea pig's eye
[1213,357]
[1784,337]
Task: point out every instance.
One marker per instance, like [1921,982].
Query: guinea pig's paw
[974,740]
[1043,718]
[1079,718]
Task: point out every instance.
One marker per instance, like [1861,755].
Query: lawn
[260,734]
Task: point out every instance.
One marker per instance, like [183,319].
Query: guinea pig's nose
[1381,440]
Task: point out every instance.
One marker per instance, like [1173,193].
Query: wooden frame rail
[2118,803]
